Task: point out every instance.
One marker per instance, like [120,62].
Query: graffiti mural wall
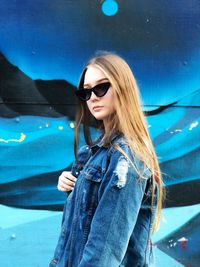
[43,48]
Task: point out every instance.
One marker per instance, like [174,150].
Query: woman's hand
[66,182]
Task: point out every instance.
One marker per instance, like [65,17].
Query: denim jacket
[108,216]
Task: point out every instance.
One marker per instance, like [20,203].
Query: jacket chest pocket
[91,180]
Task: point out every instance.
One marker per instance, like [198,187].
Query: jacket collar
[100,143]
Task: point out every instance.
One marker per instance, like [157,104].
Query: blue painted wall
[43,47]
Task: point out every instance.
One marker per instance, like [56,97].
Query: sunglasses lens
[83,94]
[101,89]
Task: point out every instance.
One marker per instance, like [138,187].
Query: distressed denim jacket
[108,216]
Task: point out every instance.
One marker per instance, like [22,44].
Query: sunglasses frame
[95,90]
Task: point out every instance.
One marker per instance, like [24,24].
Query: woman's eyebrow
[96,82]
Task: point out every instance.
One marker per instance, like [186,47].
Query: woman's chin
[99,116]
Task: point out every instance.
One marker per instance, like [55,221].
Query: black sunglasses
[99,90]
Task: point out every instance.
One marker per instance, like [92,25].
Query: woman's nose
[93,96]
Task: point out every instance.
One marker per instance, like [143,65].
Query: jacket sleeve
[116,214]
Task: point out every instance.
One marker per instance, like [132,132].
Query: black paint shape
[20,95]
[183,194]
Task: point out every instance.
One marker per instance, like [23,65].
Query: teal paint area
[33,152]
[34,145]
[28,237]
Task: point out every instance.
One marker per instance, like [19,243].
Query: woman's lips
[97,108]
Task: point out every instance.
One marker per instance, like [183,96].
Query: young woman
[114,188]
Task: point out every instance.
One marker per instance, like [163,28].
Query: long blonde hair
[128,119]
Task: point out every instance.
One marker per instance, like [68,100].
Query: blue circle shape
[110,7]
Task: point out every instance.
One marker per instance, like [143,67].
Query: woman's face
[100,107]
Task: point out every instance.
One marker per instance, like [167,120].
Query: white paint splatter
[71,125]
[61,127]
[193,125]
[182,239]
